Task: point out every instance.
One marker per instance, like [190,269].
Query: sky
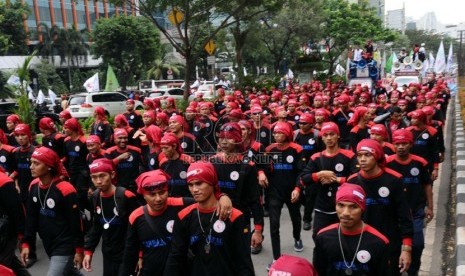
[447,11]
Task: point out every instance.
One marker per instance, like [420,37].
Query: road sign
[211,60]
[169,72]
[210,47]
[176,16]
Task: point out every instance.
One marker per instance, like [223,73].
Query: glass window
[77,100]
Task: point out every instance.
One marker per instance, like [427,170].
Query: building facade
[67,14]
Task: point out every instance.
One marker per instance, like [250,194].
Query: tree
[72,47]
[11,27]
[344,24]
[190,18]
[284,32]
[49,78]
[160,68]
[126,43]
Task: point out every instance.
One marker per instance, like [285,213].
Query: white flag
[30,95]
[425,67]
[40,97]
[449,59]
[92,84]
[245,72]
[13,80]
[290,74]
[440,64]
[431,60]
[52,96]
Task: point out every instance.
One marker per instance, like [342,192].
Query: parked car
[208,89]
[176,93]
[82,105]
[9,107]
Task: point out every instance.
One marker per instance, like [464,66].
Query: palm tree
[48,36]
[72,47]
[160,67]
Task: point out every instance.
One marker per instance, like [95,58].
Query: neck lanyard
[108,222]
[348,270]
[207,238]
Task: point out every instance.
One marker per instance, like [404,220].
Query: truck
[407,72]
[364,72]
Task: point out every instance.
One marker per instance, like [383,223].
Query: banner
[388,66]
[112,82]
[431,60]
[92,84]
[440,64]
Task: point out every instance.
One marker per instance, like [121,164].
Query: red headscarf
[50,159]
[204,172]
[152,181]
[74,125]
[352,193]
[374,148]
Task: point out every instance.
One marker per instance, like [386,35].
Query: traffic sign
[176,16]
[169,72]
[211,60]
[210,47]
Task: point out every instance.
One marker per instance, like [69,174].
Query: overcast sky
[447,11]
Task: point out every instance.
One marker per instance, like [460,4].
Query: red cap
[256,109]
[171,139]
[204,172]
[102,165]
[351,193]
[152,181]
[417,114]
[93,139]
[291,266]
[402,136]
[307,118]
[65,114]
[23,129]
[372,147]
[231,131]
[120,132]
[150,114]
[47,124]
[13,118]
[379,129]
[285,128]
[120,119]
[329,127]
[74,125]
[50,159]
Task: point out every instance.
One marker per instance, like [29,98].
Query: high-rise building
[395,19]
[428,22]
[80,14]
[378,5]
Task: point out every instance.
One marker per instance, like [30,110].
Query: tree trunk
[187,71]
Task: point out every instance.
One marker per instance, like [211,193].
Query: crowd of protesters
[173,192]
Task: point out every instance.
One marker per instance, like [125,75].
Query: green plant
[25,109]
[86,123]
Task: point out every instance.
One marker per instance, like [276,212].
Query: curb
[460,191]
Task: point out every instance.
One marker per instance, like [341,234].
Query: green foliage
[49,78]
[160,68]
[126,43]
[11,27]
[25,109]
[86,123]
[345,24]
[431,40]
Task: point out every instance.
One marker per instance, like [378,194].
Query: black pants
[309,202]
[110,267]
[274,208]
